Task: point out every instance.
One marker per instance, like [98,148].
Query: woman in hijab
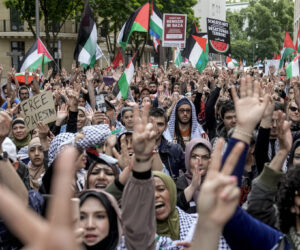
[101,173]
[197,159]
[100,219]
[171,221]
[21,137]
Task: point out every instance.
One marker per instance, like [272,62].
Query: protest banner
[38,108]
[269,63]
[174,30]
[218,36]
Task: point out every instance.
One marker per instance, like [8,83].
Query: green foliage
[262,24]
[53,13]
[116,12]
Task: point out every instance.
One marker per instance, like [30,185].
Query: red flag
[117,60]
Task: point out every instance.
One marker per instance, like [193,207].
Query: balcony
[15,30]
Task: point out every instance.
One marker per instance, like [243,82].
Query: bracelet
[241,132]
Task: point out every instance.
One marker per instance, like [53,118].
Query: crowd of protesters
[189,161]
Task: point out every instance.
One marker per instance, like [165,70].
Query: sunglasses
[294,109]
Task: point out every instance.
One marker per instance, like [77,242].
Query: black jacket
[172,157]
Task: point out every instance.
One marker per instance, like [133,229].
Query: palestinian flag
[124,82]
[87,50]
[156,43]
[231,63]
[293,69]
[177,57]
[196,51]
[21,77]
[138,21]
[288,49]
[36,57]
[156,22]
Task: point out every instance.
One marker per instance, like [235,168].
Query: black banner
[218,36]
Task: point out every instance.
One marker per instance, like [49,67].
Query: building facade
[16,39]
[209,8]
[296,18]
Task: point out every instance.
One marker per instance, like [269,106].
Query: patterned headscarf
[93,135]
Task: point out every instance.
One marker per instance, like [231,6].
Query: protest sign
[38,108]
[174,29]
[269,63]
[218,36]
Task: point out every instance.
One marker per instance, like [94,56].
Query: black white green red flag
[293,69]
[288,49]
[196,51]
[122,88]
[37,56]
[155,25]
[138,21]
[87,50]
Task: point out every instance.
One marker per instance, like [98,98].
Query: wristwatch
[3,156]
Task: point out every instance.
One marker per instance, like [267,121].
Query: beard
[184,122]
[152,92]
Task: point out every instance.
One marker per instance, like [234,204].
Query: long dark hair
[179,138]
[112,239]
[289,188]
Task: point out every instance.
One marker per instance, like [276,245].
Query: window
[15,21]
[18,51]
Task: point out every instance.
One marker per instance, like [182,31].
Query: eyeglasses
[182,111]
[294,109]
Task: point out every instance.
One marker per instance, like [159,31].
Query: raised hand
[123,158]
[249,107]
[43,130]
[90,75]
[143,138]
[284,133]
[61,114]
[89,113]
[57,232]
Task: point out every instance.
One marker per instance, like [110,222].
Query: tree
[261,26]
[113,15]
[53,13]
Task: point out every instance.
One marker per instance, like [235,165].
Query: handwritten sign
[38,108]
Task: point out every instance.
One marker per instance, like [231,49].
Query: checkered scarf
[93,135]
[196,130]
[187,227]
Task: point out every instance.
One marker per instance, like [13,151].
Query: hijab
[170,226]
[114,216]
[35,173]
[24,142]
[188,151]
[97,160]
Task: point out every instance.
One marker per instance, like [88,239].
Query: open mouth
[100,185]
[159,205]
[90,237]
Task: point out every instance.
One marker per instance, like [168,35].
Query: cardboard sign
[38,108]
[218,36]
[174,30]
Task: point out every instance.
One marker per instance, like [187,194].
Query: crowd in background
[190,160]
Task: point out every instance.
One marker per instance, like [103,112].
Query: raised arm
[138,208]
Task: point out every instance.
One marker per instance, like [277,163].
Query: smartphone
[100,103]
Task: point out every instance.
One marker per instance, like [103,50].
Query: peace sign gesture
[57,231]
[143,138]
